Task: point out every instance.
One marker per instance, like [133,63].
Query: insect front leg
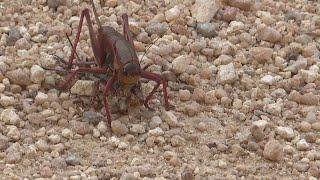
[136,90]
[106,92]
[157,78]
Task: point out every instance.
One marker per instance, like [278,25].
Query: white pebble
[285,132]
[54,138]
[9,116]
[67,133]
[170,118]
[13,133]
[156,132]
[302,145]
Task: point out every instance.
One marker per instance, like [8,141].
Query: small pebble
[46,172]
[54,4]
[4,142]
[156,132]
[14,154]
[205,10]
[96,133]
[305,126]
[54,138]
[210,97]
[157,28]
[41,97]
[137,129]
[73,160]
[156,121]
[198,95]
[273,151]
[302,145]
[285,132]
[172,13]
[202,126]
[257,133]
[83,88]
[19,76]
[170,118]
[206,30]
[14,35]
[81,128]
[261,54]
[42,145]
[193,108]
[301,167]
[227,74]
[184,95]
[37,74]
[229,13]
[269,34]
[316,126]
[13,133]
[92,117]
[180,64]
[102,127]
[67,133]
[9,116]
[245,5]
[310,137]
[177,140]
[119,128]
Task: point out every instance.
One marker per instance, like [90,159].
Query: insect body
[114,53]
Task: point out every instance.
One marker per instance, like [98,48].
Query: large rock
[205,10]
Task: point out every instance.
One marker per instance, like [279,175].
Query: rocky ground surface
[243,76]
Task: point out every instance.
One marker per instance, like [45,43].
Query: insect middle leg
[107,89]
[82,70]
[159,80]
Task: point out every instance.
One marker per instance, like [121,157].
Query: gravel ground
[243,76]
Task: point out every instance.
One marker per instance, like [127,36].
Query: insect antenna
[153,44]
[78,58]
[149,48]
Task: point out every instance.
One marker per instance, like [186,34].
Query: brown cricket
[114,53]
